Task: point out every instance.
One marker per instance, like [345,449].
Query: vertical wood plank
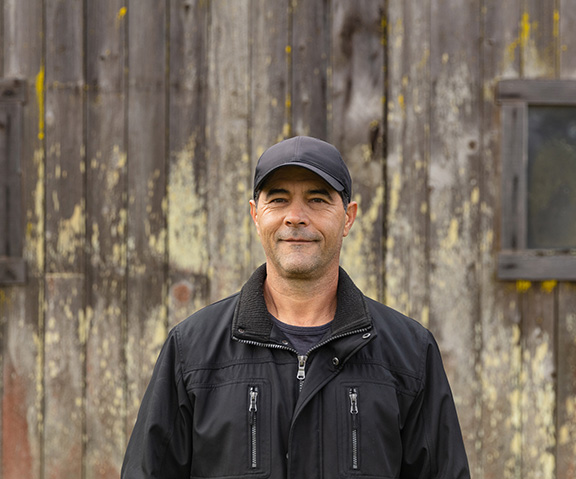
[270,89]
[2,49]
[310,53]
[408,143]
[146,171]
[567,40]
[64,136]
[104,328]
[539,307]
[187,184]
[64,382]
[499,306]
[22,374]
[454,202]
[566,393]
[566,353]
[539,316]
[539,39]
[229,167]
[356,94]
[65,230]
[20,311]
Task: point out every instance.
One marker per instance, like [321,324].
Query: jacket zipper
[253,410]
[353,395]
[301,374]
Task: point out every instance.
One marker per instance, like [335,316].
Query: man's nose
[296,214]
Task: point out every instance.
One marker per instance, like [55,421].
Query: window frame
[515,260]
[12,99]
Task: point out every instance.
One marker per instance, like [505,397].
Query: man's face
[301,222]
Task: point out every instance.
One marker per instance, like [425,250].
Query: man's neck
[301,302]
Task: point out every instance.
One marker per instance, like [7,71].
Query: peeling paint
[475,196]
[85,319]
[187,215]
[395,188]
[35,221]
[425,316]
[70,233]
[452,236]
[354,255]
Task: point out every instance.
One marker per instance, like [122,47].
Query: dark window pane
[551,221]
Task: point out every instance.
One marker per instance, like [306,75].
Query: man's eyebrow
[320,191]
[282,191]
[275,191]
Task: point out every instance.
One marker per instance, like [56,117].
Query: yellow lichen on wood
[40,101]
[533,58]
[522,286]
[122,13]
[556,25]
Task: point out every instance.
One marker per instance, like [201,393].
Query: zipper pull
[253,408]
[354,405]
[301,368]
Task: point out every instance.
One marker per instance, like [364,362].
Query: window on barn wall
[538,179]
[12,96]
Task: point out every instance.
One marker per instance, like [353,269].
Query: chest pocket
[231,434]
[368,430]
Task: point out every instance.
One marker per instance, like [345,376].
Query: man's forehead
[296,174]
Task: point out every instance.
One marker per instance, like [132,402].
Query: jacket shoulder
[201,335]
[404,341]
[220,310]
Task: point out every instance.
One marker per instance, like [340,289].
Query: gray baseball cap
[313,154]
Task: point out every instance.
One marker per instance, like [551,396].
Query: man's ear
[254,214]
[351,212]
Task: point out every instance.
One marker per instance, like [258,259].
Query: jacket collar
[252,322]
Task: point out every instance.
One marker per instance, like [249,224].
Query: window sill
[537,265]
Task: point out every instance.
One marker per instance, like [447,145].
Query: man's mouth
[298,241]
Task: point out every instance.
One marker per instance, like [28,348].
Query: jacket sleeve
[161,443]
[432,440]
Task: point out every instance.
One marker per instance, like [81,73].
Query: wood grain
[104,329]
[455,132]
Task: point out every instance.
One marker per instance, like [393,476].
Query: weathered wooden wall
[143,123]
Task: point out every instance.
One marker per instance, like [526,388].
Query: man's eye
[318,200]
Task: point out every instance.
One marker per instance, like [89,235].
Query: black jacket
[230,398]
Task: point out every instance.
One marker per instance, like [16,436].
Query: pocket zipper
[353,395]
[253,410]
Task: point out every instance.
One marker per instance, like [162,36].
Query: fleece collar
[252,320]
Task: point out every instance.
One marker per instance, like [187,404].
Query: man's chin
[300,269]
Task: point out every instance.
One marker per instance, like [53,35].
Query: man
[299,375]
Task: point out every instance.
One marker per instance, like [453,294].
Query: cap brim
[333,182]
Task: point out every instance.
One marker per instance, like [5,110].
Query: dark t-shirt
[302,338]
